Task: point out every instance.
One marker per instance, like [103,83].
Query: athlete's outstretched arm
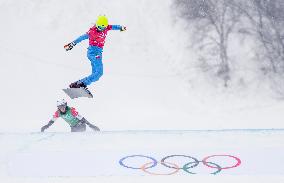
[95,128]
[81,38]
[54,118]
[83,120]
[69,46]
[46,126]
[118,27]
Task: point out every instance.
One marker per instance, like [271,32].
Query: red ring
[144,169]
[204,161]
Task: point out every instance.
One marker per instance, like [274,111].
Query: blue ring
[122,159]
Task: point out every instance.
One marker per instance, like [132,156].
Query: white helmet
[61,103]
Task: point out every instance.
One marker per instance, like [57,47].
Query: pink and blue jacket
[96,37]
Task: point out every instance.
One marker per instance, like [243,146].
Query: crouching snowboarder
[71,116]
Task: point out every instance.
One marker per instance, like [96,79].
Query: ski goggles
[101,28]
[61,107]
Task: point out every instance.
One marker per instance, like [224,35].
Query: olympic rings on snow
[167,157]
[126,157]
[152,173]
[192,163]
[185,168]
[237,159]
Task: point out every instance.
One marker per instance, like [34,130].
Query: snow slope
[118,156]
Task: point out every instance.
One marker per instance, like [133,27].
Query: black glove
[123,28]
[46,126]
[43,128]
[69,46]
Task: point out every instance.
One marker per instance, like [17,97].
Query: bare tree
[267,27]
[213,22]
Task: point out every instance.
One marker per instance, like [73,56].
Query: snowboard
[77,93]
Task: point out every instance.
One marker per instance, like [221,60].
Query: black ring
[164,163]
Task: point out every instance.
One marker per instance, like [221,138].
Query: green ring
[185,168]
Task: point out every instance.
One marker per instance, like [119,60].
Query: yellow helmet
[102,22]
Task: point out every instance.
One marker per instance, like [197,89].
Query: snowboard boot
[77,84]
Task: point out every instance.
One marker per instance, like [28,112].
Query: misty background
[181,64]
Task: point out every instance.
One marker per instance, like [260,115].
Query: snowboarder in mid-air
[96,36]
[71,116]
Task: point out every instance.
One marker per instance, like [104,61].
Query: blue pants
[95,56]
